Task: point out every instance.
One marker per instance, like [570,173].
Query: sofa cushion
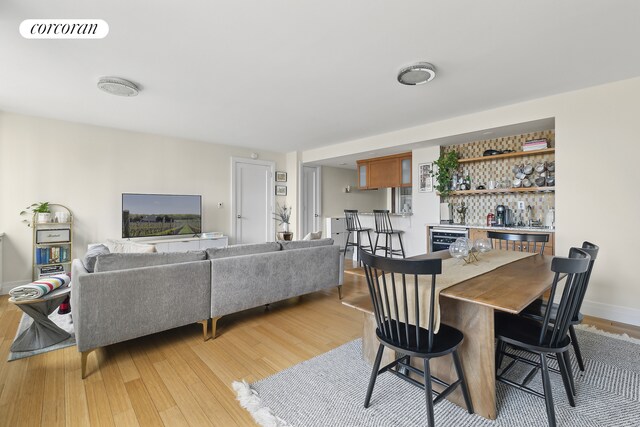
[89,260]
[300,244]
[238,250]
[113,262]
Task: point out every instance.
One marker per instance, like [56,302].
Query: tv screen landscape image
[145,215]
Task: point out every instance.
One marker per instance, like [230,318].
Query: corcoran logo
[64,29]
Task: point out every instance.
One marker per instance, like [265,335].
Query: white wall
[335,200]
[597,198]
[87,168]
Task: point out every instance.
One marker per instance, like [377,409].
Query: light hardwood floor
[174,378]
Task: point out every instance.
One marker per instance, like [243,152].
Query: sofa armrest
[114,306]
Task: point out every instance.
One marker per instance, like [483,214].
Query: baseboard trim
[7,286]
[617,313]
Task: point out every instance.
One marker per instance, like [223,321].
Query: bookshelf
[52,243]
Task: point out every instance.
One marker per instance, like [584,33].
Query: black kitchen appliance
[501,215]
[440,238]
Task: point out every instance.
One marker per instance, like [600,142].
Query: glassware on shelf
[482,245]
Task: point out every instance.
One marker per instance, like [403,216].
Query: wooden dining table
[469,306]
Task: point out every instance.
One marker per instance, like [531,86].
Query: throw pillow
[128,247]
[317,235]
[89,260]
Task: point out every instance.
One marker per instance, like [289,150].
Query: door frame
[271,231]
[318,195]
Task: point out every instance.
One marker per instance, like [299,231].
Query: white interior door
[252,201]
[311,209]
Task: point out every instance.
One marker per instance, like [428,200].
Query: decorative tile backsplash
[479,205]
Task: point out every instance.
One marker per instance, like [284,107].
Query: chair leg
[386,245]
[565,379]
[370,242]
[374,375]
[214,325]
[499,356]
[548,396]
[401,246]
[375,247]
[346,244]
[390,245]
[576,347]
[567,362]
[340,291]
[465,389]
[428,393]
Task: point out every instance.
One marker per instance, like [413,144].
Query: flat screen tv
[145,215]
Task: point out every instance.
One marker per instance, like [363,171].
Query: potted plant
[41,211]
[283,216]
[447,164]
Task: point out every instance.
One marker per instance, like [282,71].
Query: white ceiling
[298,74]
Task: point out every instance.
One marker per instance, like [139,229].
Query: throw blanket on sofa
[39,288]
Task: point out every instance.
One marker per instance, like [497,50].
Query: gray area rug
[329,390]
[62,320]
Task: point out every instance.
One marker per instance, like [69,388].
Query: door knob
[239,217]
[316,215]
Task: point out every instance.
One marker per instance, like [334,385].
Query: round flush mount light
[417,74]
[118,86]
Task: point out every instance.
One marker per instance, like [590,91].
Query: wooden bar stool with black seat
[517,241]
[536,310]
[383,226]
[354,226]
[545,337]
[399,314]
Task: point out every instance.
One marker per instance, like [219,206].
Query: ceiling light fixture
[118,86]
[417,74]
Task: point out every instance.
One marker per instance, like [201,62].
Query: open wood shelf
[508,155]
[504,190]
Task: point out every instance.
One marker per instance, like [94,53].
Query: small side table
[285,235]
[42,332]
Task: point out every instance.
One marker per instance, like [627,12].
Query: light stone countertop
[485,227]
[402,215]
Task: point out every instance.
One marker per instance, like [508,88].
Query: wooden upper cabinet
[385,172]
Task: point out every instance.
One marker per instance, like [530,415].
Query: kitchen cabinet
[385,172]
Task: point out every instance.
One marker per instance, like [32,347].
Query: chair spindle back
[383,220]
[522,242]
[352,219]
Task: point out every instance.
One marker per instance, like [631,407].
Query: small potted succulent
[41,211]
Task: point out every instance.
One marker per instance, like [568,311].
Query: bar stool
[354,226]
[383,226]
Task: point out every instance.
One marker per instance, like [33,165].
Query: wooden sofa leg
[340,291]
[83,362]
[214,324]
[205,327]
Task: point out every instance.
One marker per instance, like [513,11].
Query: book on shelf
[52,255]
[50,270]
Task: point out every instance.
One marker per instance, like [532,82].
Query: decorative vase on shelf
[285,227]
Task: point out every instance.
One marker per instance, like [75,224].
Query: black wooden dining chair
[518,241]
[383,226]
[536,310]
[398,325]
[354,227]
[545,337]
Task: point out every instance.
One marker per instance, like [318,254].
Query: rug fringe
[251,401]
[595,330]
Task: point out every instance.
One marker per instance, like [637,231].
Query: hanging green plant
[447,164]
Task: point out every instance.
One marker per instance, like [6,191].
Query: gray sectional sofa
[132,295]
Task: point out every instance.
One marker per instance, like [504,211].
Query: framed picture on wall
[281,177]
[281,190]
[425,174]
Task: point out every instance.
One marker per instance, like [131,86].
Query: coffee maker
[501,214]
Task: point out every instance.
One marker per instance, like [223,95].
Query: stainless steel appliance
[501,213]
[440,238]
